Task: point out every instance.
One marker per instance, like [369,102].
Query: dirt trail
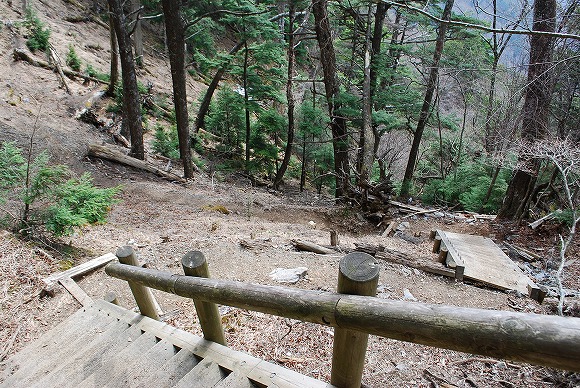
[164,221]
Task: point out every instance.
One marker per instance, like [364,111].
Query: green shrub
[38,39]
[467,187]
[92,72]
[47,196]
[117,106]
[72,59]
[166,143]
[78,203]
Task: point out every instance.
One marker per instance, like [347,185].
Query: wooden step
[118,362]
[85,362]
[145,366]
[54,335]
[107,345]
[47,357]
[205,374]
[169,373]
[236,380]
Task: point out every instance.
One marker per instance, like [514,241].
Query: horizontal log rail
[537,339]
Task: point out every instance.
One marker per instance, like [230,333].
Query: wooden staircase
[104,345]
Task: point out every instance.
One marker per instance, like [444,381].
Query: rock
[437,214]
[403,226]
[401,366]
[288,275]
[408,296]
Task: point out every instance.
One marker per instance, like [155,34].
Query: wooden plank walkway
[104,345]
[479,259]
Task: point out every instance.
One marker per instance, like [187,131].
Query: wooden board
[485,262]
[78,293]
[80,269]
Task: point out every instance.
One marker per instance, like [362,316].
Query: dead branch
[422,212]
[482,27]
[548,217]
[55,59]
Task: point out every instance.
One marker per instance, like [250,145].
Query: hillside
[164,220]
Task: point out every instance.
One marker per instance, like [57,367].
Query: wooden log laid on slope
[421,263]
[311,247]
[21,54]
[104,152]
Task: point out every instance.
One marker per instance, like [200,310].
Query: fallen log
[103,152]
[522,252]
[539,222]
[21,54]
[424,264]
[369,248]
[311,247]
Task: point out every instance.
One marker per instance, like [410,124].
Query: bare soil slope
[164,221]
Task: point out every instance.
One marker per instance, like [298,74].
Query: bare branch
[481,27]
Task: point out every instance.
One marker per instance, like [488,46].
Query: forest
[251,130]
[469,105]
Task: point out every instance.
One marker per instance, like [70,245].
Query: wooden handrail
[537,339]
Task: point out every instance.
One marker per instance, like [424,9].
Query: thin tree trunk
[205,103]
[176,43]
[303,164]
[331,85]
[395,50]
[376,41]
[131,99]
[367,138]
[247,108]
[426,108]
[137,33]
[114,59]
[289,96]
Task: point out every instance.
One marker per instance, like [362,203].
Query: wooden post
[443,252]
[436,244]
[432,234]
[143,296]
[333,238]
[358,275]
[194,264]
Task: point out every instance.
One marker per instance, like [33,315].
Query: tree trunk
[426,108]
[131,100]
[114,59]
[395,50]
[376,41]
[174,30]
[289,96]
[367,138]
[247,108]
[137,33]
[331,85]
[536,108]
[205,103]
